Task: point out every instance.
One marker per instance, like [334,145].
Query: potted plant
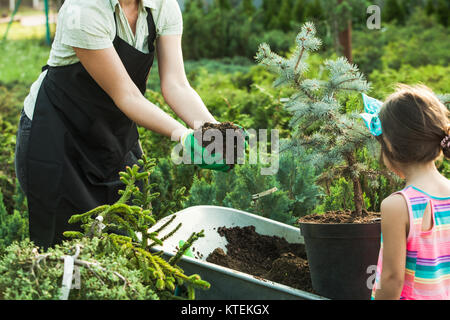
[341,247]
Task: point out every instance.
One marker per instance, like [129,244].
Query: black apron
[79,142]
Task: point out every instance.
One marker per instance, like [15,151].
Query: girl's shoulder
[394,203]
[395,212]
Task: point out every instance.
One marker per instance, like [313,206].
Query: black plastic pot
[339,257]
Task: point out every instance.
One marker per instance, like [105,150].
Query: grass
[21,60]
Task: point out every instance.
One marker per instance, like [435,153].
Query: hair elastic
[445,143]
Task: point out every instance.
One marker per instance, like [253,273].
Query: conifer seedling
[320,121]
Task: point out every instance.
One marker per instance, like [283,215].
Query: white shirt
[90,24]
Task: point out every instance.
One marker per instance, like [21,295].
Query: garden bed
[264,257]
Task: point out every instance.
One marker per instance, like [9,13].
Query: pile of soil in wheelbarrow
[264,257]
[233,130]
[342,217]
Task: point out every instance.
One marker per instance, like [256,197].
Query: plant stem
[357,190]
[299,59]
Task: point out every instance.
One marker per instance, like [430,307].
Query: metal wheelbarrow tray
[227,284]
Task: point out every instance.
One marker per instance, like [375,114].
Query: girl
[78,126]
[414,260]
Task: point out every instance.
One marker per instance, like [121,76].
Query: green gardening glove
[191,145]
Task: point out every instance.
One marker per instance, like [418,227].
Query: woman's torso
[90,24]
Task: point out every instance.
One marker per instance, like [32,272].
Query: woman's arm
[177,92]
[106,68]
[394,225]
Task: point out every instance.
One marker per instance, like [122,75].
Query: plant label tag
[76,278]
[67,277]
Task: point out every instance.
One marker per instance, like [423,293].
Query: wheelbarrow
[226,284]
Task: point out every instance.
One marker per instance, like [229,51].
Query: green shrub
[24,277]
[235,190]
[12,96]
[230,32]
[297,193]
[440,9]
[298,178]
[7,168]
[171,182]
[429,45]
[13,226]
[339,197]
[421,41]
[383,81]
[394,11]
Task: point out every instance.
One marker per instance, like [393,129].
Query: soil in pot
[346,216]
[341,247]
[223,127]
[264,257]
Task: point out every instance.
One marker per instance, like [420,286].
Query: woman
[78,126]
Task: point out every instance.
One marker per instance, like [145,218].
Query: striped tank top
[427,275]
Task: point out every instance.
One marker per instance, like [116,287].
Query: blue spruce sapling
[320,122]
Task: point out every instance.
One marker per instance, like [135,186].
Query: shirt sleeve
[87,25]
[172,19]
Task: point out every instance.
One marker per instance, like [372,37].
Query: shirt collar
[147,3]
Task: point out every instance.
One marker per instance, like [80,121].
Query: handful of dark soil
[264,257]
[235,134]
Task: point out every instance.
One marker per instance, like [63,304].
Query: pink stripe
[430,252]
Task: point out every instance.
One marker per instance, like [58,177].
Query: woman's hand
[177,92]
[106,68]
[200,154]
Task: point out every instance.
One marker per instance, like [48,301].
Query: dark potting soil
[342,217]
[264,257]
[223,127]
